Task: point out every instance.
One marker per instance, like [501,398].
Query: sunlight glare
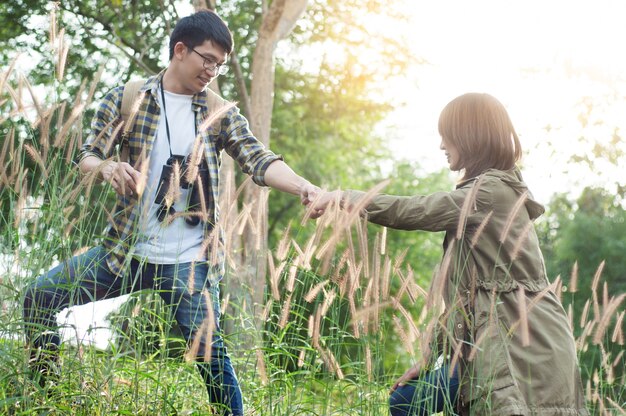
[541,59]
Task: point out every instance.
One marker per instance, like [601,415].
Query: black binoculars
[198,188]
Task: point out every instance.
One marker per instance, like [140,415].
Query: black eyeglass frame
[211,65]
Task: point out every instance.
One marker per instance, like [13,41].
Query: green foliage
[334,123]
[125,36]
[584,242]
[590,230]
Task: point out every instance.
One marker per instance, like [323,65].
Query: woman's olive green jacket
[502,324]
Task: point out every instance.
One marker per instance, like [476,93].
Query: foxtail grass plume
[143,169]
[301,357]
[329,298]
[310,296]
[4,178]
[594,291]
[523,316]
[521,200]
[33,97]
[468,204]
[225,301]
[266,310]
[608,313]
[457,347]
[70,123]
[618,335]
[6,74]
[386,279]
[284,315]
[191,280]
[413,331]
[274,275]
[195,158]
[261,367]
[36,157]
[62,51]
[402,334]
[584,316]
[283,245]
[521,239]
[573,284]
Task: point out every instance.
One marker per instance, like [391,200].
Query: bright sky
[540,58]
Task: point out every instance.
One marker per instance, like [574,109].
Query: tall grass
[343,317]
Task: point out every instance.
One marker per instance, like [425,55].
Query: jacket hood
[513,178]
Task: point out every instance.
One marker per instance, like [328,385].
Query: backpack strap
[215,103]
[129,96]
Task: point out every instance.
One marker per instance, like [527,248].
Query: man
[163,234]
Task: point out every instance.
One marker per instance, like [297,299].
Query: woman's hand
[325,198]
[411,374]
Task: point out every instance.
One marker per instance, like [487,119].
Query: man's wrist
[303,185]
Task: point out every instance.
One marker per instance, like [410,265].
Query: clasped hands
[317,200]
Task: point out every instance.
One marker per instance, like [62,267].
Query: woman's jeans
[433,392]
[86,278]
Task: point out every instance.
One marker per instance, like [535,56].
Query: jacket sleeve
[101,140]
[244,148]
[440,211]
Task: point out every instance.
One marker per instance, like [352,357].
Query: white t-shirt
[177,242]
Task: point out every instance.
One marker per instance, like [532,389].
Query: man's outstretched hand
[308,194]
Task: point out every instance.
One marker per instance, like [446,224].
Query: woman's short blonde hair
[479,127]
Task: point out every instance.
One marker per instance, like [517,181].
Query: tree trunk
[278,21]
[203,4]
[246,279]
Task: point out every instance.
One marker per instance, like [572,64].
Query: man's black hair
[195,29]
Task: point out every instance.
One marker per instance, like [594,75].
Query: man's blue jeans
[433,392]
[86,278]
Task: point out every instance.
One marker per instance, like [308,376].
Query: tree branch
[121,43]
[281,17]
[244,101]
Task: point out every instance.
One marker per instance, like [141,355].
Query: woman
[504,337]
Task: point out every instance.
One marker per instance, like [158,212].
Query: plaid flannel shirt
[231,134]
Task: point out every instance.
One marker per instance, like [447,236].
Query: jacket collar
[198,100]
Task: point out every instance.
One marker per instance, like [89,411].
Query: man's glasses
[211,65]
